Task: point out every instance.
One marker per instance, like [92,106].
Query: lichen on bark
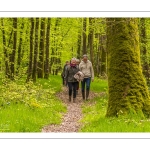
[127,87]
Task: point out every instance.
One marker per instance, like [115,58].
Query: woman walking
[87,69]
[72,82]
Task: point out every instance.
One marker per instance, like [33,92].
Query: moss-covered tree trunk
[144,52]
[128,91]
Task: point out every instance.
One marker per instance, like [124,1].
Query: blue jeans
[86,81]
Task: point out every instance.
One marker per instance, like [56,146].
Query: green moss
[127,86]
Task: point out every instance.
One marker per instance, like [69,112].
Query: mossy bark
[127,87]
[144,52]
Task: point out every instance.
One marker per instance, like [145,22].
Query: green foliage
[29,107]
[28,94]
[21,118]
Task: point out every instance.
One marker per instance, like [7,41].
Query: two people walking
[76,72]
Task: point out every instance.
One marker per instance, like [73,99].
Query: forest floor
[71,119]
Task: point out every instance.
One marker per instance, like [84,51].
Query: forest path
[70,120]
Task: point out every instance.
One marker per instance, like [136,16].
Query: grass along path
[71,119]
[94,119]
[30,107]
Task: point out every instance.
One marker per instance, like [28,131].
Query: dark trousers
[72,87]
[63,81]
[86,81]
[77,85]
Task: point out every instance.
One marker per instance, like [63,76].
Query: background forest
[33,52]
[40,46]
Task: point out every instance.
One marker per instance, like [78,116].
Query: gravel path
[70,120]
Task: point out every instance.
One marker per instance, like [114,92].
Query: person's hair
[74,59]
[84,55]
[67,61]
[77,60]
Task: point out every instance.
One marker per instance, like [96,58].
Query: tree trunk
[103,56]
[42,50]
[13,54]
[30,68]
[84,37]
[79,45]
[47,49]
[91,39]
[54,59]
[97,68]
[34,74]
[143,39]
[128,92]
[79,41]
[20,48]
[6,58]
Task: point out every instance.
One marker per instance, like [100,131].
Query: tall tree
[144,52]
[79,44]
[20,47]
[35,61]
[103,55]
[84,37]
[47,49]
[6,59]
[97,67]
[41,50]
[91,38]
[54,53]
[30,67]
[127,87]
[13,54]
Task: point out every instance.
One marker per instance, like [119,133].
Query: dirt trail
[70,120]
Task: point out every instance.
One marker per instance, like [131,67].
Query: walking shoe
[83,95]
[77,92]
[74,100]
[69,98]
[87,94]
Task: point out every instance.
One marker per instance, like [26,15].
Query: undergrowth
[28,107]
[94,111]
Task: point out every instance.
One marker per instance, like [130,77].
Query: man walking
[63,73]
[87,69]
